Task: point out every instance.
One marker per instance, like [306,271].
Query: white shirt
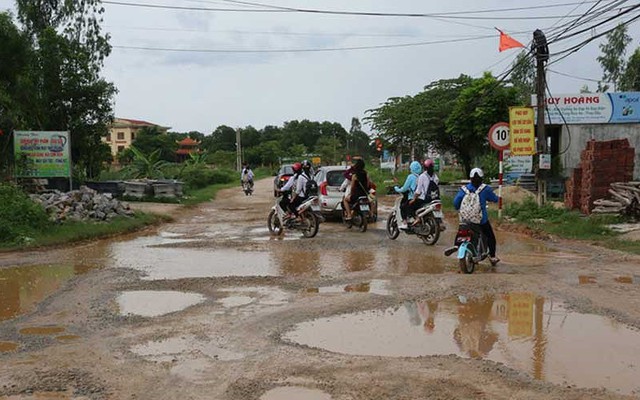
[423,183]
[301,185]
[290,182]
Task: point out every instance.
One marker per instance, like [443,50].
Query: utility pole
[238,150]
[542,56]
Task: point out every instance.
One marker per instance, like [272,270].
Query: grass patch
[78,231]
[629,246]
[206,193]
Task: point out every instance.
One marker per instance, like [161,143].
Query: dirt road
[213,307]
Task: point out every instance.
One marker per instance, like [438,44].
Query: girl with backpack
[471,201]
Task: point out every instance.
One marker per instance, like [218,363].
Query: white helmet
[476,171]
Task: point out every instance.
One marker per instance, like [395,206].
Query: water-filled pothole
[521,330]
[23,288]
[148,303]
[42,330]
[236,301]
[180,347]
[295,392]
[8,346]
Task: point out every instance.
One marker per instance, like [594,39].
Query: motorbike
[427,224]
[471,247]
[307,223]
[360,214]
[247,188]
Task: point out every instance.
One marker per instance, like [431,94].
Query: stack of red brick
[601,164]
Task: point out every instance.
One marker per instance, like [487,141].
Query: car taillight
[323,188]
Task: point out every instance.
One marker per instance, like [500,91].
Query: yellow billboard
[522,131]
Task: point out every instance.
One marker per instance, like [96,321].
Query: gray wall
[581,134]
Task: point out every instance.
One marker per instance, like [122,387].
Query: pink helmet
[428,163]
[296,167]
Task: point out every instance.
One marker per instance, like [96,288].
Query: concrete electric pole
[238,151]
[542,56]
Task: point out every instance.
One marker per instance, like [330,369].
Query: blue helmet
[415,167]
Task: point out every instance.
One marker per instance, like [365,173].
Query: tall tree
[630,80]
[68,92]
[523,77]
[612,58]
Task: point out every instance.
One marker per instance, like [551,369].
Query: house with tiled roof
[122,133]
[186,147]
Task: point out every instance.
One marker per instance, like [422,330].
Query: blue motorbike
[471,247]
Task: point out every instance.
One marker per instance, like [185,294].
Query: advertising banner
[41,154]
[522,131]
[592,108]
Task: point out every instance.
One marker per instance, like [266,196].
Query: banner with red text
[522,131]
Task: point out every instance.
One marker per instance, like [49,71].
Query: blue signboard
[592,108]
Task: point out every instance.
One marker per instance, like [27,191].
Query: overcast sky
[199,91]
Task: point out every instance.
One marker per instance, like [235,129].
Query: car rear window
[335,178]
[287,170]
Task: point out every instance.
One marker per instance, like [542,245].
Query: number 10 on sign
[499,140]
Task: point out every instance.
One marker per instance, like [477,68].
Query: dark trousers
[416,206]
[284,203]
[295,203]
[487,231]
[406,209]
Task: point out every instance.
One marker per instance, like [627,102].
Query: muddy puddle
[536,335]
[42,330]
[295,392]
[149,303]
[23,288]
[8,346]
[375,286]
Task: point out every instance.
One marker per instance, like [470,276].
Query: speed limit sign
[499,136]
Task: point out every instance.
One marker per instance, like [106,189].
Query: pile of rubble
[81,205]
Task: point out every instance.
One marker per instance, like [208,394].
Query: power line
[572,76]
[310,50]
[272,9]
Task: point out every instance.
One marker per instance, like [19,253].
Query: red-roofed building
[187,146]
[123,131]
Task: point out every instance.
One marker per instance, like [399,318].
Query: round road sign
[499,136]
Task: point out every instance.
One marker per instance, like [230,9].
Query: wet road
[212,306]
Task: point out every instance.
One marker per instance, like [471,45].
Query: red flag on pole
[507,42]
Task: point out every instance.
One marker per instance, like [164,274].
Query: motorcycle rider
[289,186]
[299,193]
[427,184]
[247,175]
[408,190]
[485,195]
[358,187]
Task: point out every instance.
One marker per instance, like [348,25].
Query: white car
[329,179]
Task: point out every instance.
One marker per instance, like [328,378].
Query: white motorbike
[247,188]
[427,225]
[307,223]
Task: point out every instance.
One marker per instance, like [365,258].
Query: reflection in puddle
[520,330]
[23,288]
[376,286]
[586,279]
[8,346]
[627,279]
[42,330]
[45,396]
[236,301]
[147,303]
[67,338]
[293,392]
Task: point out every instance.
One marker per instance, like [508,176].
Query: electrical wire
[309,50]
[329,12]
[572,76]
[563,119]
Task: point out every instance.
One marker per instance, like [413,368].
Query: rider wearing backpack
[358,187]
[471,201]
[304,184]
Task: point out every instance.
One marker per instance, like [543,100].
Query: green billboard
[40,154]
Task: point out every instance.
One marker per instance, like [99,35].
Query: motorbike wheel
[392,227]
[312,222]
[467,266]
[363,223]
[434,231]
[273,223]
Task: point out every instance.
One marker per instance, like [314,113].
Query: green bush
[20,218]
[199,176]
